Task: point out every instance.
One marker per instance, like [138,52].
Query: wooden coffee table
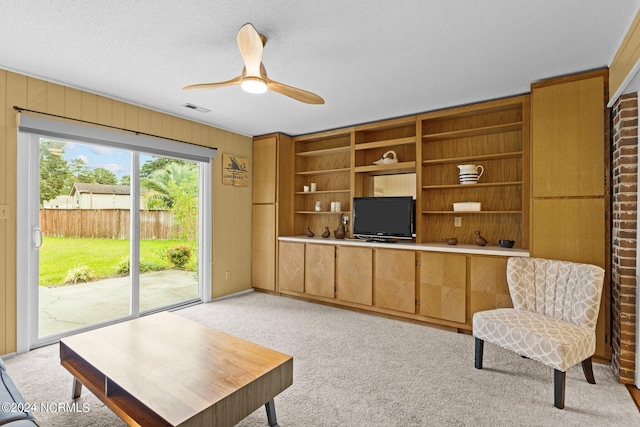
[166,370]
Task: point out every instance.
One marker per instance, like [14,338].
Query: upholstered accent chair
[553,321]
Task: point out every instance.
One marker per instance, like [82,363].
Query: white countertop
[430,247]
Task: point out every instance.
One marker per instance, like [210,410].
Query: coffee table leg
[77,388]
[270,406]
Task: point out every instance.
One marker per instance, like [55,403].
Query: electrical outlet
[227,275]
[4,211]
[457,221]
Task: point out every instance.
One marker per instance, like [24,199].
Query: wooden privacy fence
[106,223]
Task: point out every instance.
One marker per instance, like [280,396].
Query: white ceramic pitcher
[469,174]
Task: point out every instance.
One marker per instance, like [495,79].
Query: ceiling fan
[254,76]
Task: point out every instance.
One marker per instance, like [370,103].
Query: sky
[99,156]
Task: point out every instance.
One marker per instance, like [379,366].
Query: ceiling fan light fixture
[253,85]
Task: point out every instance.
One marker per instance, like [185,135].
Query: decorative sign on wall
[235,170]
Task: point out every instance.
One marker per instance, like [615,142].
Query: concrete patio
[68,307]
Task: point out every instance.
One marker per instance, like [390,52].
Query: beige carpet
[353,369]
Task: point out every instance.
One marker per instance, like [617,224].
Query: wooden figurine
[309,232]
[326,233]
[480,241]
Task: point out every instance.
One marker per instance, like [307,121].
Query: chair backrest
[564,290]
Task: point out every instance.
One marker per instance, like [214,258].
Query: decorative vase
[326,233]
[340,232]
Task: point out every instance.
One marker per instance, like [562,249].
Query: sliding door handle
[38,238]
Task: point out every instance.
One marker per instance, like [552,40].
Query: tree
[158,163]
[125,180]
[164,184]
[103,176]
[54,169]
[175,187]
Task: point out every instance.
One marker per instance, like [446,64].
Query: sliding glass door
[115,233]
[169,232]
[83,235]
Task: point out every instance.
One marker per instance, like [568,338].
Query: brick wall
[624,149]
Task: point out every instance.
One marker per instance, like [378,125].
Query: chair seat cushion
[550,341]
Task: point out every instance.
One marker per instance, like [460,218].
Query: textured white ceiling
[369,60]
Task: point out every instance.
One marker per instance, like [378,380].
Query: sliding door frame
[27,211]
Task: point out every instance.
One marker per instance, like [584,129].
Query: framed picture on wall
[235,170]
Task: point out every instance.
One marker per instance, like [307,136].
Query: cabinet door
[354,274]
[443,286]
[488,283]
[569,229]
[291,267]
[567,150]
[263,237]
[264,170]
[395,279]
[319,267]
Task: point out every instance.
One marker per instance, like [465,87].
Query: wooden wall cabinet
[443,286]
[570,183]
[545,185]
[395,280]
[324,159]
[272,206]
[354,274]
[493,134]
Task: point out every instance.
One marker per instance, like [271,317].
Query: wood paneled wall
[625,59]
[231,205]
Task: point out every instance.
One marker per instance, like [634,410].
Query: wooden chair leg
[479,352]
[587,368]
[559,381]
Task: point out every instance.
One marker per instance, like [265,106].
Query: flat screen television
[383,218]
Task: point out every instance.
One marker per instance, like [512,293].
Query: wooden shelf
[324,152]
[308,193]
[478,185]
[386,143]
[322,212]
[480,157]
[464,133]
[325,171]
[329,134]
[393,168]
[469,212]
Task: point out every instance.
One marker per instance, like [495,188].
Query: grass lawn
[60,254]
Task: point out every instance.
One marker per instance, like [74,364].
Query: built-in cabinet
[271,207]
[414,282]
[322,162]
[494,135]
[545,186]
[570,217]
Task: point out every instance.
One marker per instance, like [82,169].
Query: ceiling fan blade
[293,92]
[251,47]
[233,81]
